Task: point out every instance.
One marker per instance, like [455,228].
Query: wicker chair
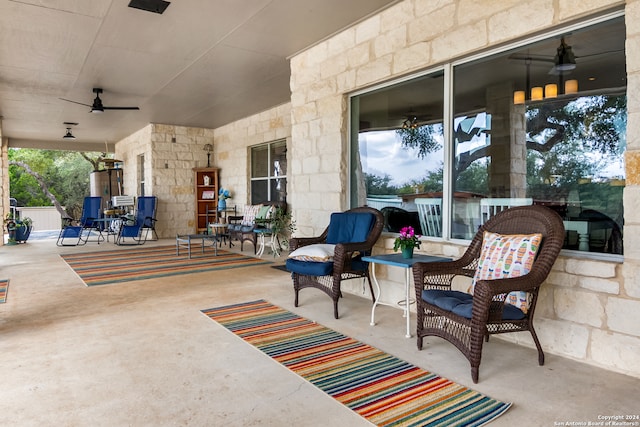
[485,312]
[354,233]
[244,230]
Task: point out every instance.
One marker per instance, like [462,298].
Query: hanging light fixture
[69,135]
[564,60]
[571,86]
[537,93]
[410,123]
[551,90]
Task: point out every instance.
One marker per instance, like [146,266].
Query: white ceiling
[202,63]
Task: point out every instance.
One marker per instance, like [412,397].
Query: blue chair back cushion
[91,209]
[349,227]
[344,227]
[460,303]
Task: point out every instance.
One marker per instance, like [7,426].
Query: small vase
[407,253]
[222,204]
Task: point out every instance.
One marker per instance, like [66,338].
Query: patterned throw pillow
[507,256]
[263,212]
[249,214]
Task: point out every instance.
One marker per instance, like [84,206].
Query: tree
[379,185]
[588,124]
[51,178]
[420,137]
[43,186]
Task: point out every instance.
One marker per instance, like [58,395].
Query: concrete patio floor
[141,354]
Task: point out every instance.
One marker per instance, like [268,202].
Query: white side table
[262,233]
[396,260]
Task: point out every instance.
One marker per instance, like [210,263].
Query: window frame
[269,178]
[448,118]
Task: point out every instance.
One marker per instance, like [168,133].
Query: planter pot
[22,233]
[407,253]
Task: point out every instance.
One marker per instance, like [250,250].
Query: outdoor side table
[396,260]
[262,233]
[185,240]
[109,225]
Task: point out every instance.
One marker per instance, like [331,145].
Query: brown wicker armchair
[354,233]
[465,320]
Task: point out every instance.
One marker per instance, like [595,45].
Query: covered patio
[142,353]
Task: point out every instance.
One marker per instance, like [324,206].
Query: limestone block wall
[589,309]
[231,149]
[4,177]
[170,152]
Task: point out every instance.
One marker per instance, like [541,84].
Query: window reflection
[268,172]
[400,151]
[540,124]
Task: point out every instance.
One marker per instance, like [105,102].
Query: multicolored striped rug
[383,389]
[140,263]
[4,287]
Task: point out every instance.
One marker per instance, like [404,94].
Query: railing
[381,202]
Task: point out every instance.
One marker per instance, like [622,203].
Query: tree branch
[43,186]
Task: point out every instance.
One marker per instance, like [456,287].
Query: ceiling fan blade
[75,102]
[531,57]
[120,108]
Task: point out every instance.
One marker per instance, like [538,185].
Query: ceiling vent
[155,6]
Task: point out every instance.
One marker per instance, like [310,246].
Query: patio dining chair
[77,232]
[492,206]
[323,262]
[137,230]
[430,211]
[509,258]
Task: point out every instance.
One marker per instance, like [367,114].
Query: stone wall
[4,178]
[588,308]
[170,152]
[231,148]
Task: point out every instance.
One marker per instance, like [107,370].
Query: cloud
[382,154]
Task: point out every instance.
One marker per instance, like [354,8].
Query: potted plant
[407,241]
[19,229]
[282,225]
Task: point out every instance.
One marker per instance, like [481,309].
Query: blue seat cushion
[310,268]
[349,227]
[460,303]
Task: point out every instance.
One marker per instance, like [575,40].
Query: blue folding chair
[78,234]
[137,229]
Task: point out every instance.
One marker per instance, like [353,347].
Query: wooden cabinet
[206,193]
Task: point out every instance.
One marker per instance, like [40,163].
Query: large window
[269,172]
[400,155]
[541,123]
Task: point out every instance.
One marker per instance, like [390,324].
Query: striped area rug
[4,288]
[383,389]
[140,263]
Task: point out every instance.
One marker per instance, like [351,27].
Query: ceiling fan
[412,119]
[97,106]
